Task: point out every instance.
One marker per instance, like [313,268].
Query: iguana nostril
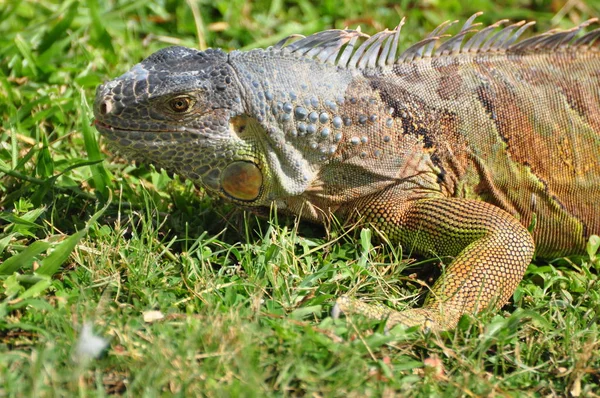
[105,107]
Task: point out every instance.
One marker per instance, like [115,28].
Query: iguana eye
[181,104]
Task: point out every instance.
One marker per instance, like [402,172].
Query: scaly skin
[449,152]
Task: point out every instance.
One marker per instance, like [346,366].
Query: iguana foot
[428,319]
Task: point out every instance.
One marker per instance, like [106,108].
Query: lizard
[455,146]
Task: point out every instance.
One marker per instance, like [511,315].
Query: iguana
[452,147]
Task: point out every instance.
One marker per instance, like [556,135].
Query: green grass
[245,301]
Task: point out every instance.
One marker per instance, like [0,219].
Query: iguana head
[181,110]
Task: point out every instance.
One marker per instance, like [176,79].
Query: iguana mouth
[104,127]
[109,130]
[126,136]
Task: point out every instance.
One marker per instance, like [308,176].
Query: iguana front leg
[491,251]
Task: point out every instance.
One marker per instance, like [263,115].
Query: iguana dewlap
[451,147]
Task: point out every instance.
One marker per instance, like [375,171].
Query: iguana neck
[290,99]
[326,127]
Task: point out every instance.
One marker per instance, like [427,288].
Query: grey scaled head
[167,90]
[174,110]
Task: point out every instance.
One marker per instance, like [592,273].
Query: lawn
[116,279]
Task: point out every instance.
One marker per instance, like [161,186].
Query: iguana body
[449,152]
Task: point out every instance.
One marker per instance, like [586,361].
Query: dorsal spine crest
[339,47]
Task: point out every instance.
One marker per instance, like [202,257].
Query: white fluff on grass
[89,346]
